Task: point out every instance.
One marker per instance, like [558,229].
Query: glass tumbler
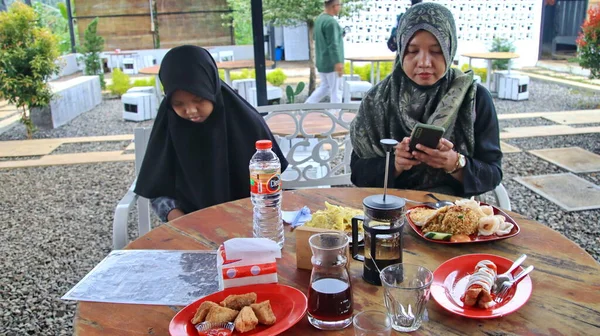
[372,323]
[406,292]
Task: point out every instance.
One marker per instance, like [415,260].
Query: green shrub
[27,60]
[481,72]
[120,82]
[501,45]
[276,77]
[92,46]
[243,74]
[588,42]
[151,81]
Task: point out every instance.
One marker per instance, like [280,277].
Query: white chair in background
[226,56]
[120,235]
[130,66]
[351,87]
[319,160]
[243,86]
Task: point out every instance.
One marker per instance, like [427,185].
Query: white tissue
[240,248]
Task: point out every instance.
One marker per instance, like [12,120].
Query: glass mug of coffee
[330,292]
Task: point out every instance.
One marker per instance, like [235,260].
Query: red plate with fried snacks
[450,281]
[289,306]
[475,238]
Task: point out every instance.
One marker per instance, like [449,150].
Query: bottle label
[265,183]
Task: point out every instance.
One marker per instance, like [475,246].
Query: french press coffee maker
[382,223]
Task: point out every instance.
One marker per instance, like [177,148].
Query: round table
[566,280]
[372,60]
[489,57]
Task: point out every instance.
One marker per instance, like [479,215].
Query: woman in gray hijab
[423,88]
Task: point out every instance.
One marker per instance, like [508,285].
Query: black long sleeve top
[482,173]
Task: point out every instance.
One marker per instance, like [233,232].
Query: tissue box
[247,261]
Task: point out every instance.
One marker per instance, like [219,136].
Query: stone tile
[574,159]
[4,114]
[69,159]
[506,148]
[544,131]
[28,147]
[578,117]
[568,191]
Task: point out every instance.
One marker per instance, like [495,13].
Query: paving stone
[581,117]
[506,148]
[568,191]
[574,159]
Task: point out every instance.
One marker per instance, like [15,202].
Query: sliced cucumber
[438,235]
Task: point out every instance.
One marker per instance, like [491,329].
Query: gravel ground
[49,243]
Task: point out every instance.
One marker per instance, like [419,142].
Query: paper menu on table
[158,277]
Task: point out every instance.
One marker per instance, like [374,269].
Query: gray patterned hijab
[393,106]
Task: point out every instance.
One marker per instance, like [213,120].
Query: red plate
[475,238]
[450,282]
[288,304]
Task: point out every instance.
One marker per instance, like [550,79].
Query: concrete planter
[72,98]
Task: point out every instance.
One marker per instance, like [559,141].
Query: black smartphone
[426,135]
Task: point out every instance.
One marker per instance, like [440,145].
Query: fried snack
[453,219]
[238,302]
[203,311]
[246,320]
[334,217]
[420,216]
[218,314]
[480,285]
[264,313]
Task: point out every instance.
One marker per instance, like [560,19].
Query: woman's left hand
[441,157]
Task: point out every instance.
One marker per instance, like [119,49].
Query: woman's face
[424,61]
[191,107]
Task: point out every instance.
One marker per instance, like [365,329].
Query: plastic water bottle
[265,192]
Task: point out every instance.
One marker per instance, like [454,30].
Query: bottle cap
[264,144]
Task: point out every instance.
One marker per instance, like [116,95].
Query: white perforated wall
[478,23]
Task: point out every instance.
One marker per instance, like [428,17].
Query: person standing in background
[329,45]
[391,42]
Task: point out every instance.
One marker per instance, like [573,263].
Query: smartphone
[426,135]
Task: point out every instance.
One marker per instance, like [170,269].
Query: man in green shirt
[329,45]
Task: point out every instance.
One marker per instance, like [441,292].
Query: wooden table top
[379,58]
[566,280]
[492,55]
[313,124]
[231,65]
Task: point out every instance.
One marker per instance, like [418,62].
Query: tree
[290,13]
[28,55]
[92,46]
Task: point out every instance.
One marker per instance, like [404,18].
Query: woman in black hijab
[202,140]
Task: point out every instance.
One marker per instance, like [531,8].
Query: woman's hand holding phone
[404,159]
[441,157]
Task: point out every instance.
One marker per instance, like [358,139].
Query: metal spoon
[429,204]
[440,203]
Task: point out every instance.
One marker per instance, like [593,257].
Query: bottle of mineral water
[265,192]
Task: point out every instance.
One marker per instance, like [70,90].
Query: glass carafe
[330,292]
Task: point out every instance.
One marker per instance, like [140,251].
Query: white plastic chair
[351,87]
[502,198]
[311,156]
[120,236]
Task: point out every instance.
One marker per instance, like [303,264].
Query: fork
[507,285]
[507,276]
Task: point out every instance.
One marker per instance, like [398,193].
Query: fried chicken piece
[203,311]
[264,313]
[420,216]
[218,314]
[238,302]
[246,320]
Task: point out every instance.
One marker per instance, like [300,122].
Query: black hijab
[201,164]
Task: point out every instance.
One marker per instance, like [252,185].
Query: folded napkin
[296,218]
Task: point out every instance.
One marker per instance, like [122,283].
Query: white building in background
[478,22]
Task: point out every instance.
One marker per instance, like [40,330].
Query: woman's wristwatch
[460,164]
